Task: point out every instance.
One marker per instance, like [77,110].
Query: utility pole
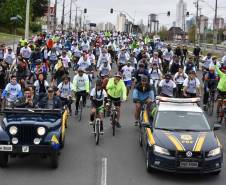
[70,15]
[197,22]
[27,20]
[55,18]
[76,18]
[48,17]
[62,20]
[215,29]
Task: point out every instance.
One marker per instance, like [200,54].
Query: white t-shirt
[127,72]
[65,61]
[65,89]
[167,88]
[84,64]
[97,94]
[36,84]
[80,82]
[13,91]
[155,74]
[179,78]
[191,85]
[25,52]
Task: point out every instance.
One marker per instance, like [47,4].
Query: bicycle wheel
[97,131]
[141,118]
[113,123]
[210,107]
[80,110]
[220,115]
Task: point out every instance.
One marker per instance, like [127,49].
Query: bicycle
[210,103]
[221,110]
[113,115]
[97,129]
[80,108]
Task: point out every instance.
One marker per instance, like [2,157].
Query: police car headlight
[13,130]
[214,152]
[41,131]
[160,150]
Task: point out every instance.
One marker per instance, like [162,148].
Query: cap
[117,75]
[144,78]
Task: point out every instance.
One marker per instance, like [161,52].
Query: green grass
[6,38]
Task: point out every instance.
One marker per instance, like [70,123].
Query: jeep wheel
[54,160]
[140,140]
[4,158]
[62,141]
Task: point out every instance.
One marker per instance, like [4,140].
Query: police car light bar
[178,100]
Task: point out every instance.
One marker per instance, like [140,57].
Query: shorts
[116,101]
[128,83]
[100,109]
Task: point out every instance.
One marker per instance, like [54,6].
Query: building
[219,23]
[109,26]
[101,26]
[181,14]
[121,22]
[176,34]
[203,23]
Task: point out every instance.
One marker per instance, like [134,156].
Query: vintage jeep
[32,131]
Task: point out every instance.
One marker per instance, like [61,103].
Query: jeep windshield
[181,121]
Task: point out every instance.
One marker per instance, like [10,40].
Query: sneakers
[118,125]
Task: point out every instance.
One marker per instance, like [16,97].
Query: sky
[99,10]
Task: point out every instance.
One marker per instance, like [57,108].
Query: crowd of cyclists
[52,70]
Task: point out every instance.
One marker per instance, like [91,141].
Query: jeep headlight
[214,152]
[160,150]
[13,130]
[41,131]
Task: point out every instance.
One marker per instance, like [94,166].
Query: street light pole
[62,20]
[215,25]
[48,16]
[70,15]
[27,20]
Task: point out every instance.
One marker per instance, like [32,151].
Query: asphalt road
[117,160]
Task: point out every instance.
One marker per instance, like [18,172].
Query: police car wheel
[54,160]
[4,157]
[140,140]
[148,165]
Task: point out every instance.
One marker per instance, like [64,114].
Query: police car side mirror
[216,126]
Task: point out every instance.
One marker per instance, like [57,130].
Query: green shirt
[116,90]
[222,83]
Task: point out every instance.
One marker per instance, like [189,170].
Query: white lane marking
[104,172]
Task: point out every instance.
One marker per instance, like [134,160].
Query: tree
[163,33]
[191,33]
[39,8]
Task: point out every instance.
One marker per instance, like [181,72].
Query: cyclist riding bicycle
[167,87]
[80,87]
[179,78]
[210,82]
[116,90]
[191,86]
[65,89]
[98,97]
[142,94]
[221,87]
[12,91]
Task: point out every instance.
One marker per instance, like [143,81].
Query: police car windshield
[181,121]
